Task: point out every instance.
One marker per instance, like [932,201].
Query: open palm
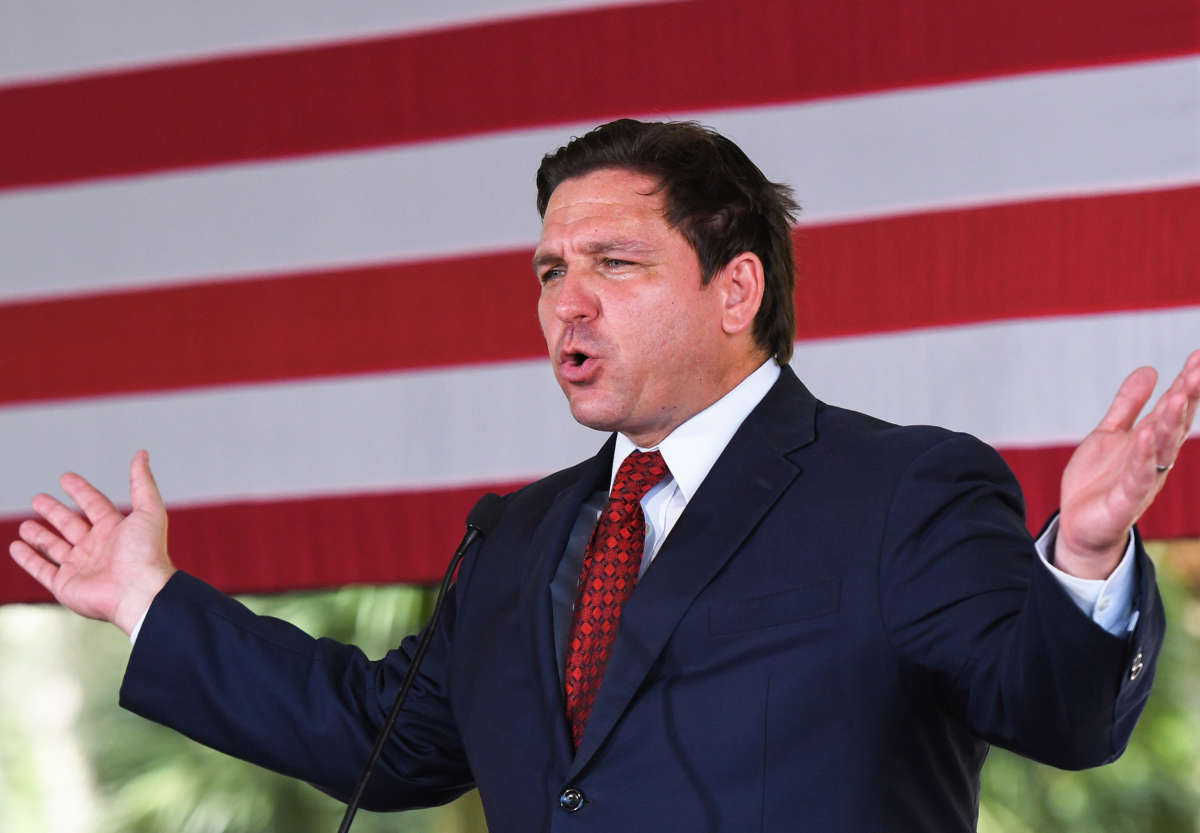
[1118,470]
[104,565]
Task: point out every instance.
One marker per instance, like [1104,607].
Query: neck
[727,381]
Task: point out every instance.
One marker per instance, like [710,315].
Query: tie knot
[640,472]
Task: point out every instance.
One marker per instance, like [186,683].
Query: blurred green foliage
[149,779]
[1154,787]
[136,777]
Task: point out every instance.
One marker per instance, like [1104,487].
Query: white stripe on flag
[413,430]
[1036,382]
[67,37]
[1042,381]
[1080,132]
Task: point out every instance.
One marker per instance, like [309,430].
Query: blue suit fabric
[844,617]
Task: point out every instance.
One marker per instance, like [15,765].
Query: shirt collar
[692,448]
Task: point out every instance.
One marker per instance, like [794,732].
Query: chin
[595,422]
[593,415]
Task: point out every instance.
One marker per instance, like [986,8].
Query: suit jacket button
[1135,670]
[571,800]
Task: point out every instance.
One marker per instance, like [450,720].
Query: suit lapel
[746,481]
[548,543]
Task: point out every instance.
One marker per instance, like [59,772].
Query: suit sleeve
[990,633]
[262,690]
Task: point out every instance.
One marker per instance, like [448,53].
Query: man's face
[634,336]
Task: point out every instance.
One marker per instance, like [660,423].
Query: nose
[574,299]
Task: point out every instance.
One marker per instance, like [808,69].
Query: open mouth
[577,366]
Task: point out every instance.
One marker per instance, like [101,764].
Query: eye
[617,263]
[551,273]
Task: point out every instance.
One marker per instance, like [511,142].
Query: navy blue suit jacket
[842,619]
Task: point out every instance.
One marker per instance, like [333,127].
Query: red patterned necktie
[610,571]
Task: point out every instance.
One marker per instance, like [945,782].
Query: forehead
[602,203]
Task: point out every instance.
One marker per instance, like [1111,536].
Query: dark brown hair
[717,198]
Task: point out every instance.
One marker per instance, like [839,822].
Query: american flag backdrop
[285,245]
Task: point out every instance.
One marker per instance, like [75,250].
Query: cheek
[663,324]
[546,319]
[681,334]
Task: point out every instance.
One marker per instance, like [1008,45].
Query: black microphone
[481,520]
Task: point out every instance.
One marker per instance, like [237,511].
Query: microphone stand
[481,520]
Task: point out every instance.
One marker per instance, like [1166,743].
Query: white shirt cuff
[1109,602]
[133,634]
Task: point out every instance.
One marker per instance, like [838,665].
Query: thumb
[143,491]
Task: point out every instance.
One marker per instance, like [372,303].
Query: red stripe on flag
[1128,251]
[1053,257]
[1174,514]
[404,316]
[326,542]
[559,68]
[304,544]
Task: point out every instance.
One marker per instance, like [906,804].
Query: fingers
[1142,475]
[69,525]
[1190,383]
[1186,384]
[1175,411]
[143,490]
[32,562]
[87,497]
[1139,482]
[43,541]
[1170,429]
[1130,399]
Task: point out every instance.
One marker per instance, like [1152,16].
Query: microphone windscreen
[486,514]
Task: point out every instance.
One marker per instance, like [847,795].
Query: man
[788,615]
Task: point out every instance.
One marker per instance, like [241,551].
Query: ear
[742,281]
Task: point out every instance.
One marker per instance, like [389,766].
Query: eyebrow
[597,247]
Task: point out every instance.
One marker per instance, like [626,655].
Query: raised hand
[103,565]
[1119,468]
